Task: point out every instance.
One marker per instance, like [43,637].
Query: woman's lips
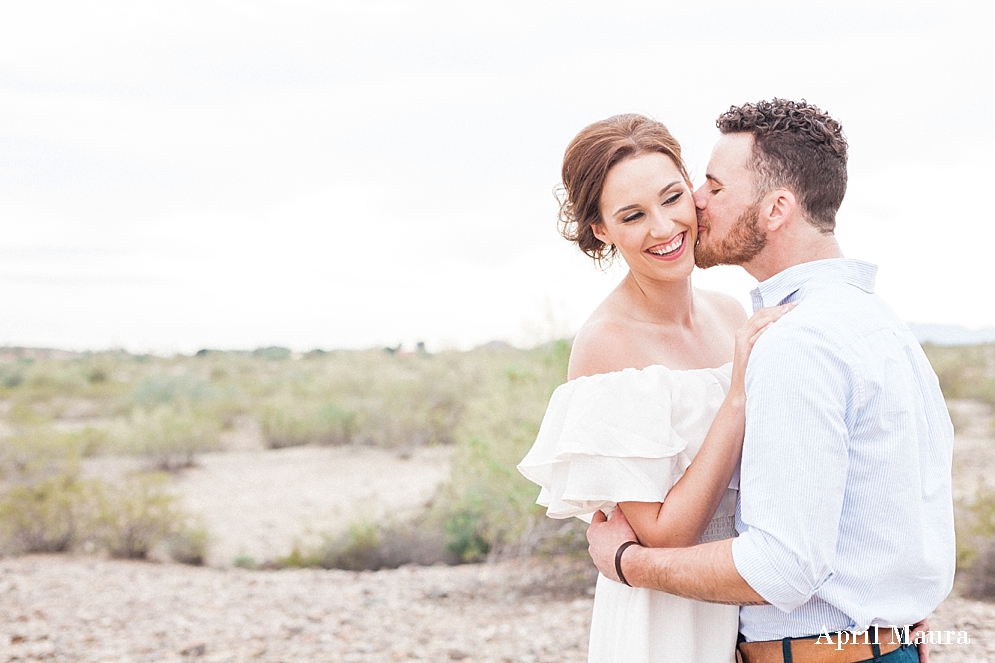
[669,250]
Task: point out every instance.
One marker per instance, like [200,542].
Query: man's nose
[699,197]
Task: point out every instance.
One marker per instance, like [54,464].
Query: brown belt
[808,650]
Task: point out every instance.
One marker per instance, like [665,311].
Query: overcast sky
[180,175]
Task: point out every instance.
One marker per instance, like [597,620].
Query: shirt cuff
[754,562]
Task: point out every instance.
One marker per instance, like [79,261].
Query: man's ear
[777,208]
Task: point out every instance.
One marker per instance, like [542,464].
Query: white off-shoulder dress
[628,436]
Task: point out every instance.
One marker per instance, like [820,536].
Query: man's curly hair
[798,147]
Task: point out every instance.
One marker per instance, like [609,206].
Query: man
[845,517]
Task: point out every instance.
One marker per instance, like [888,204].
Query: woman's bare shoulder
[726,307]
[601,346]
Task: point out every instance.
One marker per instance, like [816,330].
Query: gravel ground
[65,608]
[976,619]
[74,608]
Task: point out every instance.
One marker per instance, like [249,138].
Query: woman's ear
[599,231]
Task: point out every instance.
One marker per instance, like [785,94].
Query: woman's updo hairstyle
[589,157]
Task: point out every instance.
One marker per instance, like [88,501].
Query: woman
[651,387]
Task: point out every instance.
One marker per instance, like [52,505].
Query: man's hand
[921,629]
[604,537]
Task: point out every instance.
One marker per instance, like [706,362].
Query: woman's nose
[664,225]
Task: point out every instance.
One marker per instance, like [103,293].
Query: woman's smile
[671,250]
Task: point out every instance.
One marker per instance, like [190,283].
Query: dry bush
[135,517]
[369,398]
[188,544]
[367,547]
[168,436]
[976,545]
[979,581]
[966,372]
[46,507]
[50,515]
[286,422]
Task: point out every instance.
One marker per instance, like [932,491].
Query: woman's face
[648,213]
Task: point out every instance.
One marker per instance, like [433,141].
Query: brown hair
[798,147]
[589,157]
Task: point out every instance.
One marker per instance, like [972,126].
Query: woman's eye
[673,199]
[631,217]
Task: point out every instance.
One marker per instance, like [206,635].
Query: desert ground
[257,503]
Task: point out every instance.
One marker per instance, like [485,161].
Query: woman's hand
[746,336]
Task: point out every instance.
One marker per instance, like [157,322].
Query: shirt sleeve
[799,388]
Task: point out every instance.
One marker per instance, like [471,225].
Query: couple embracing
[752,484]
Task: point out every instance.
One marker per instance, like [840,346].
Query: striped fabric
[845,513]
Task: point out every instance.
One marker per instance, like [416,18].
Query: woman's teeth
[668,248]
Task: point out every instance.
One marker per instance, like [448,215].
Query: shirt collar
[781,288]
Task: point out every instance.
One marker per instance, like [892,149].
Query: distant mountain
[952,334]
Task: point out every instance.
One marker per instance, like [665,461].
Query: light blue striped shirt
[845,513]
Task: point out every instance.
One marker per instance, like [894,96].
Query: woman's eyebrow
[662,191]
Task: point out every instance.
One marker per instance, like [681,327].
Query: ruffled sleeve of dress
[623,436]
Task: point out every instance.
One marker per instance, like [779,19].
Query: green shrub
[135,517]
[273,353]
[964,371]
[170,437]
[46,507]
[244,561]
[286,423]
[980,577]
[50,515]
[25,412]
[975,522]
[89,441]
[11,376]
[188,545]
[371,547]
[465,533]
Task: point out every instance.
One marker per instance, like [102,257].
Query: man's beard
[744,241]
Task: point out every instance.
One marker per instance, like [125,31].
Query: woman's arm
[683,516]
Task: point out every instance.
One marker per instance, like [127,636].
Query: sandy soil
[256,504]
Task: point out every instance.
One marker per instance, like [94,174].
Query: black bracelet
[618,560]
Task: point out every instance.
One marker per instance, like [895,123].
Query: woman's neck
[659,302]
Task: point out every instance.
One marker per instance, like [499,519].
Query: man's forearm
[704,572]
